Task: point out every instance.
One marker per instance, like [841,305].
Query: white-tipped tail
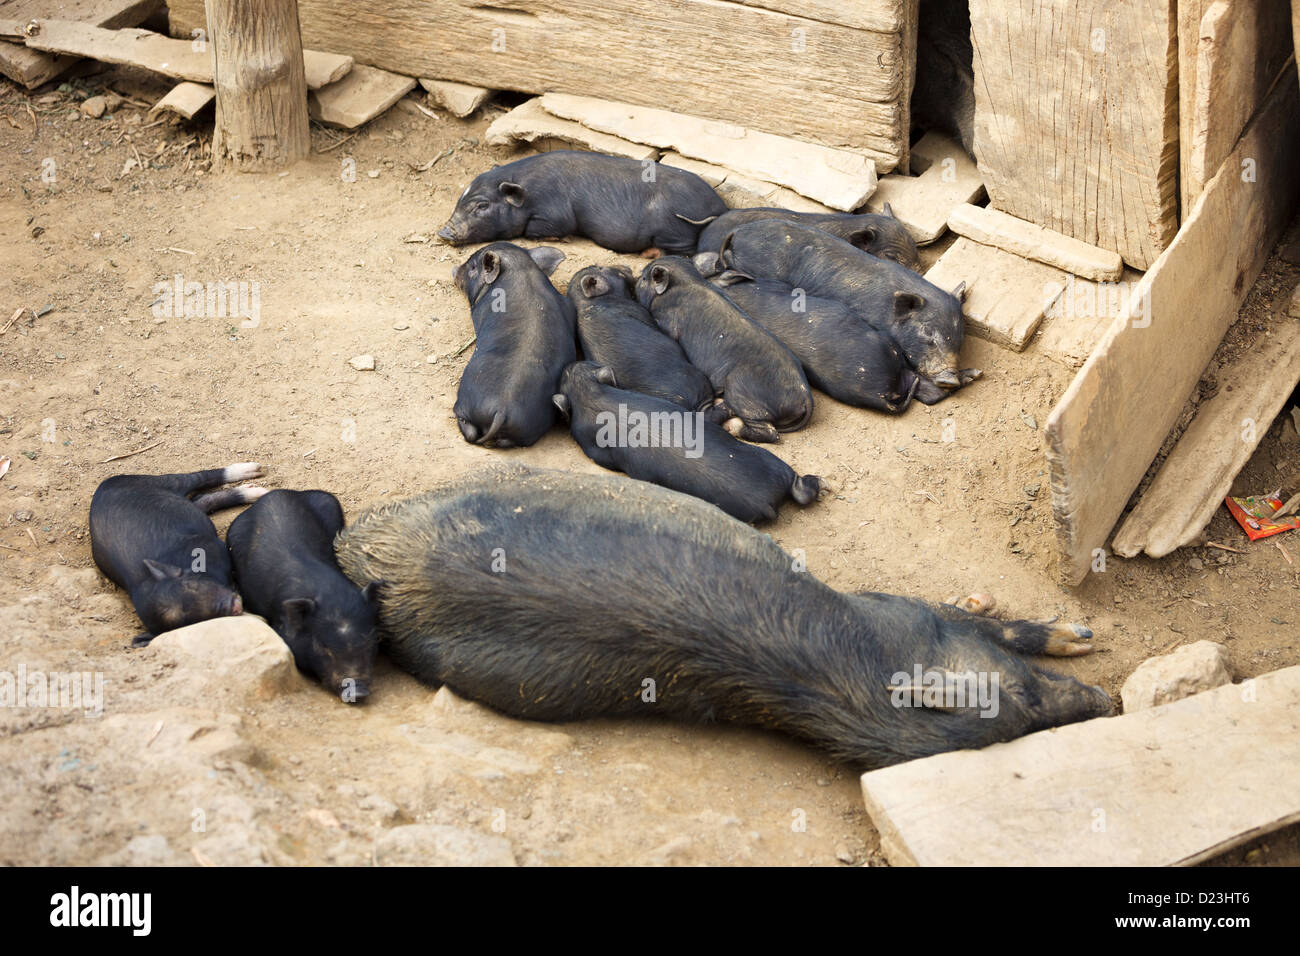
[242,472]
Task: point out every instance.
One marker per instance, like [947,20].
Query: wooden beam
[995,228]
[31,67]
[1168,786]
[1076,118]
[835,177]
[782,73]
[1119,409]
[261,85]
[1191,484]
[1242,46]
[1188,14]
[180,59]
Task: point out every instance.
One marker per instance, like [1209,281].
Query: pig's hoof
[759,431]
[969,375]
[976,603]
[242,472]
[735,426]
[1066,640]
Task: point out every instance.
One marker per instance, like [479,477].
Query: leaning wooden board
[1076,118]
[1119,409]
[32,67]
[1168,786]
[792,75]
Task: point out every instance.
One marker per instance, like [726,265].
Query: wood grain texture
[261,85]
[995,228]
[185,99]
[1076,118]
[1189,14]
[1191,484]
[831,84]
[32,67]
[1243,44]
[1119,409]
[1167,786]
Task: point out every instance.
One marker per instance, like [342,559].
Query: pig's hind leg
[229,498]
[192,481]
[1024,637]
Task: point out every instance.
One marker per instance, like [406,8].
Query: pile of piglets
[720,341]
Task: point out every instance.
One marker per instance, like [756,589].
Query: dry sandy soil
[299,777]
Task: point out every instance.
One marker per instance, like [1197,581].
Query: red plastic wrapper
[1254,516]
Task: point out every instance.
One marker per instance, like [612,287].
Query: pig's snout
[948,378]
[447,234]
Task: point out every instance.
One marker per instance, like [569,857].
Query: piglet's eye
[480,206]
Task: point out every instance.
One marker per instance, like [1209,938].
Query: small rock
[432,360]
[373,173]
[401,326]
[842,854]
[1188,670]
[422,844]
[112,101]
[1030,421]
[1031,491]
[240,653]
[94,107]
[1195,564]
[363,363]
[22,516]
[323,817]
[668,853]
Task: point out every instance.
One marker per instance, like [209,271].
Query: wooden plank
[1119,409]
[30,67]
[1168,786]
[1077,320]
[1076,118]
[835,177]
[458,99]
[1191,484]
[785,74]
[157,53]
[741,192]
[1006,295]
[1189,14]
[359,97]
[529,123]
[185,99]
[995,228]
[862,14]
[947,178]
[1243,45]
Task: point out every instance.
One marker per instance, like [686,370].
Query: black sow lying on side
[657,441]
[620,598]
[841,355]
[524,332]
[881,235]
[924,320]
[762,383]
[283,549]
[622,204]
[150,539]
[616,331]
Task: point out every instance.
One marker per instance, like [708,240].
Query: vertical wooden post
[261,87]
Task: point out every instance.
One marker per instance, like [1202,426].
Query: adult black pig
[660,442]
[556,596]
[841,355]
[283,552]
[882,235]
[923,319]
[159,545]
[761,382]
[616,331]
[524,339]
[627,205]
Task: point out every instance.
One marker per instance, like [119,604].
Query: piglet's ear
[889,211]
[960,291]
[546,257]
[161,570]
[491,267]
[605,375]
[513,193]
[731,277]
[561,402]
[296,611]
[659,279]
[708,263]
[863,238]
[907,302]
[594,285]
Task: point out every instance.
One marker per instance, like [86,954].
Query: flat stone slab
[947,178]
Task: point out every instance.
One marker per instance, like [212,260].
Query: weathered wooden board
[458,99]
[359,97]
[836,177]
[1006,295]
[1189,14]
[1191,484]
[185,99]
[1076,118]
[1243,44]
[995,228]
[1168,786]
[32,67]
[791,75]
[742,192]
[1119,409]
[947,178]
[529,123]
[160,54]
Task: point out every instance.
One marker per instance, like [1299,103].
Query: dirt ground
[94,213]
